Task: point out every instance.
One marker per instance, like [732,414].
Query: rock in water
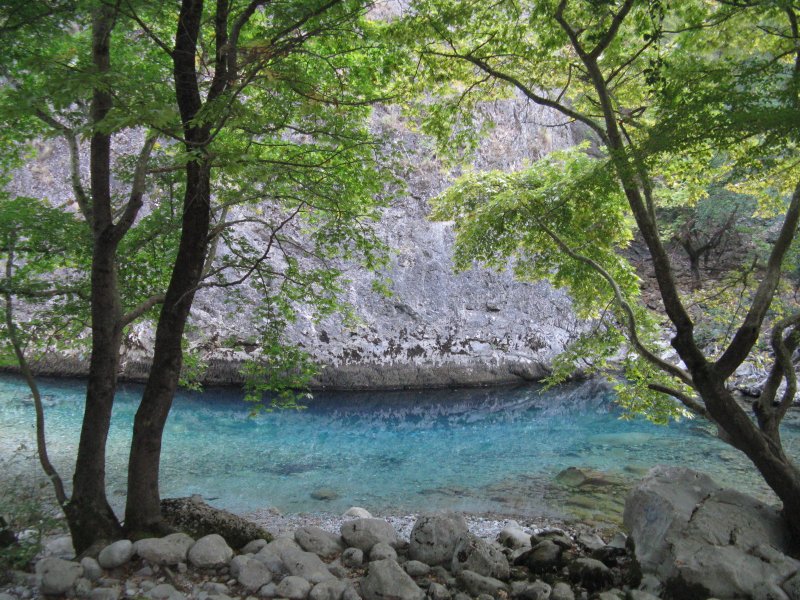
[197,518]
[479,556]
[365,533]
[702,540]
[385,580]
[434,538]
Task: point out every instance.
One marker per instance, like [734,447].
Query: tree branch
[747,334]
[690,403]
[137,189]
[142,308]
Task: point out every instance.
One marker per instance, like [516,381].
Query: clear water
[482,450]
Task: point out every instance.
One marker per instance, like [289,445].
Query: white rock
[116,554]
[56,576]
[209,552]
[514,538]
[293,588]
[169,550]
[306,565]
[268,591]
[356,512]
[365,533]
[416,568]
[59,547]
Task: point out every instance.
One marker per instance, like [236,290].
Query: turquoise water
[481,450]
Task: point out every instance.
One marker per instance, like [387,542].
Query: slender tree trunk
[91,520]
[143,510]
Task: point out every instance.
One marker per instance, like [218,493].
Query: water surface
[480,450]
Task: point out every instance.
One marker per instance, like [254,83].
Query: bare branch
[141,309]
[748,332]
[137,189]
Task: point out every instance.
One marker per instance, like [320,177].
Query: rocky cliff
[437,329]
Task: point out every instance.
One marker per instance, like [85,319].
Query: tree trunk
[90,518]
[143,510]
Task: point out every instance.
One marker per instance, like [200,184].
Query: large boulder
[365,533]
[116,554]
[210,552]
[702,540]
[320,542]
[434,538]
[199,519]
[169,550]
[56,576]
[481,557]
[386,580]
[306,565]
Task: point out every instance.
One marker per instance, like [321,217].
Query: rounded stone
[293,588]
[116,554]
[210,552]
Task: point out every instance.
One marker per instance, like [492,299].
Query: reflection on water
[479,450]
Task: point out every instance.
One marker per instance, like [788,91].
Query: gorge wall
[437,329]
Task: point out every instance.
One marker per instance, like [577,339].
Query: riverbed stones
[293,588]
[562,591]
[356,512]
[332,589]
[116,554]
[590,573]
[476,584]
[434,538]
[306,565]
[91,568]
[210,552]
[56,576]
[322,543]
[169,550]
[702,540]
[514,537]
[437,591]
[251,574]
[381,551]
[416,568]
[386,580]
[544,556]
[477,555]
[365,533]
[352,557]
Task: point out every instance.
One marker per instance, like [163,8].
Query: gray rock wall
[437,329]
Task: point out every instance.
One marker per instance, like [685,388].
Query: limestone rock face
[56,576]
[434,538]
[386,580]
[365,533]
[169,550]
[702,540]
[439,328]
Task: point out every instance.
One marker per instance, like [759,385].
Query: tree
[268,128]
[663,89]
